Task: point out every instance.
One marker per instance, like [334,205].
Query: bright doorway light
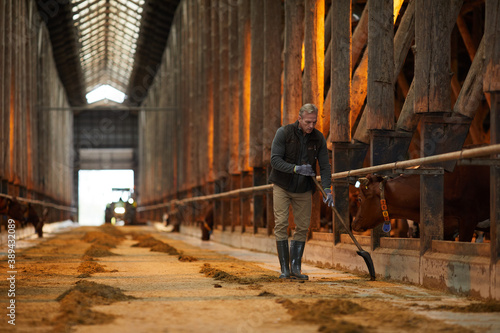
[95,192]
[105,92]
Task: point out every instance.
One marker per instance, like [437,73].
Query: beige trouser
[301,205]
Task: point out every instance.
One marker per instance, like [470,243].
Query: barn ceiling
[107,42]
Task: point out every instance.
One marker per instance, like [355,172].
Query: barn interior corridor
[156,121]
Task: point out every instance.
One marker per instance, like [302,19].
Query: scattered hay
[76,302]
[185,258]
[112,230]
[322,311]
[147,242]
[140,236]
[156,245]
[164,247]
[218,274]
[75,310]
[101,238]
[487,306]
[90,267]
[87,258]
[96,293]
[96,250]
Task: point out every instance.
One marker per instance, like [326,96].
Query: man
[296,148]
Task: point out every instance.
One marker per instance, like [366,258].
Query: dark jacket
[291,147]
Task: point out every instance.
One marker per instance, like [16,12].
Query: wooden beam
[340,121]
[256,83]
[244,74]
[273,26]
[294,36]
[492,47]
[380,99]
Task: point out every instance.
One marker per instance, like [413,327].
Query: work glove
[329,198]
[304,169]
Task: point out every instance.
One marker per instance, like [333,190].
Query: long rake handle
[346,226]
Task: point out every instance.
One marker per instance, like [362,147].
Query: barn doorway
[95,191]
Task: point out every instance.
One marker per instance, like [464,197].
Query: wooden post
[340,92]
[245,203]
[432,95]
[294,37]
[492,85]
[224,135]
[340,126]
[216,110]
[341,162]
[244,66]
[273,26]
[432,60]
[312,80]
[257,108]
[379,111]
[234,133]
[360,78]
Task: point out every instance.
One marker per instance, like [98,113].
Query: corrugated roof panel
[108,32]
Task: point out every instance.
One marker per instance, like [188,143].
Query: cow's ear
[364,181]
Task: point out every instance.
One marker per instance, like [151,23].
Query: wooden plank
[234,103]
[256,84]
[432,60]
[294,36]
[215,92]
[431,210]
[495,181]
[409,119]
[380,94]
[492,46]
[244,47]
[3,84]
[223,113]
[340,87]
[360,78]
[360,36]
[273,27]
[471,94]
[313,78]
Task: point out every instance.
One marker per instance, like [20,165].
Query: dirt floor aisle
[137,279]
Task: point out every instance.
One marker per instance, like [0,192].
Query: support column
[245,201]
[259,178]
[495,181]
[491,85]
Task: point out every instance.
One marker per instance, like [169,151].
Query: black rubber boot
[284,258]
[296,252]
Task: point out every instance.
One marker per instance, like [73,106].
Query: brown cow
[466,200]
[35,220]
[12,208]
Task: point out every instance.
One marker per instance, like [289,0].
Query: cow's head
[369,213]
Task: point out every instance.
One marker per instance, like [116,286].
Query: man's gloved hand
[329,198]
[305,170]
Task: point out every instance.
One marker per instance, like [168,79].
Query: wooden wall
[234,71]
[36,145]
